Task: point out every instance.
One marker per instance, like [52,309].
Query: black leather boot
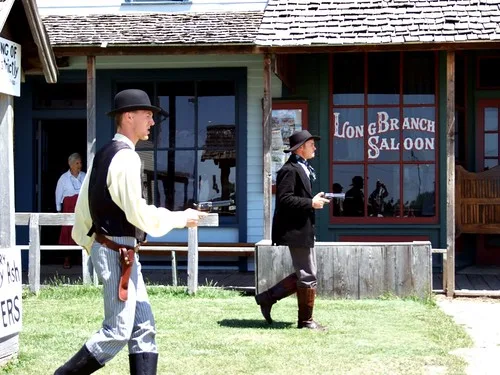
[283,289]
[82,363]
[305,300]
[143,363]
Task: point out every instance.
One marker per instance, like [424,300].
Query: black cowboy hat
[357,181]
[298,138]
[133,100]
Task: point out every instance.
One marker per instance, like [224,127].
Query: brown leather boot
[283,289]
[305,300]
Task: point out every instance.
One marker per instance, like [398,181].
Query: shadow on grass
[253,323]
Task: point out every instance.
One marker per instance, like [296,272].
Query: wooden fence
[354,270]
[35,220]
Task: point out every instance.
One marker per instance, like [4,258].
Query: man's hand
[319,201]
[193,216]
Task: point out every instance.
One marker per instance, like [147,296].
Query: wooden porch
[473,279]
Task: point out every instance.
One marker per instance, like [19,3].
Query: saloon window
[384,145]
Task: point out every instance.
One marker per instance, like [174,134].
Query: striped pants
[129,322]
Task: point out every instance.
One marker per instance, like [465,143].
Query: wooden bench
[477,201]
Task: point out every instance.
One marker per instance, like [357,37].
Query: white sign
[10,292]
[10,67]
[384,124]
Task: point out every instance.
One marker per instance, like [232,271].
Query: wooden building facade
[399,92]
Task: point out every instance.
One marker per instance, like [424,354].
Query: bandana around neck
[301,160]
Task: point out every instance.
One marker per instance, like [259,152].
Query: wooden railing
[36,219]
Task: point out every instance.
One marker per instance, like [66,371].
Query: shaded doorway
[57,139]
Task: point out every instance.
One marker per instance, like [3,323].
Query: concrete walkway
[481,319]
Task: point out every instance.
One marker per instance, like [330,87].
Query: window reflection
[217,172]
[178,99]
[348,133]
[490,163]
[216,106]
[383,186]
[419,190]
[147,169]
[419,84]
[175,176]
[349,88]
[383,78]
[419,134]
[349,179]
[491,119]
[383,134]
[491,144]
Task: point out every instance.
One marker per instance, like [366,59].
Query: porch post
[7,217]
[266,136]
[450,169]
[91,148]
[91,104]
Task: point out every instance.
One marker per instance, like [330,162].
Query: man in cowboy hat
[293,226]
[111,218]
[354,204]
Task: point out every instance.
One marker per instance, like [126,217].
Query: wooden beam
[267,135]
[487,45]
[46,218]
[154,50]
[7,210]
[91,104]
[450,166]
[253,49]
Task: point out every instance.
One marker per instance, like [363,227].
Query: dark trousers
[304,263]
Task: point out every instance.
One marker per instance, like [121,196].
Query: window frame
[237,77]
[401,162]
[480,157]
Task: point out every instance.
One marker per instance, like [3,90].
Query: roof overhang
[41,39]
[17,17]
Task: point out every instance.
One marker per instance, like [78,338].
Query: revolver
[208,206]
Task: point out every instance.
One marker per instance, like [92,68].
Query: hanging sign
[10,67]
[378,142]
[10,292]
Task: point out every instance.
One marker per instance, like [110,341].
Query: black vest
[107,217]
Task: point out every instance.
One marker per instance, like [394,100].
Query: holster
[127,257]
[126,262]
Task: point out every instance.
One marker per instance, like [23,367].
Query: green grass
[222,332]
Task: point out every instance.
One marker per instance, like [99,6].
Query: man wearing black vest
[111,218]
[293,226]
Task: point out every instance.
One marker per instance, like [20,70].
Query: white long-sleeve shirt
[125,187]
[67,186]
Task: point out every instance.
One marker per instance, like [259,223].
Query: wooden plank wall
[355,270]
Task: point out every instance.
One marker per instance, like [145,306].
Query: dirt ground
[481,319]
